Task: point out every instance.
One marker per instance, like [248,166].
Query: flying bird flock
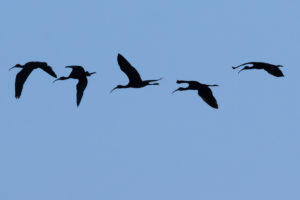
[135,80]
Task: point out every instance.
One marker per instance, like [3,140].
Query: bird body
[80,74]
[25,72]
[270,68]
[203,91]
[135,80]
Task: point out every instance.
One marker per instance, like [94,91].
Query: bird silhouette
[203,91]
[79,73]
[25,72]
[135,80]
[270,68]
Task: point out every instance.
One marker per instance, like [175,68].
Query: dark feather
[207,95]
[49,70]
[81,85]
[275,71]
[20,80]
[129,70]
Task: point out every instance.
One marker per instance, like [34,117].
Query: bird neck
[123,86]
[63,78]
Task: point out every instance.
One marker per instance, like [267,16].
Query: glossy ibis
[203,91]
[79,73]
[25,72]
[270,68]
[135,80]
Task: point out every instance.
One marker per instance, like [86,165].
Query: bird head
[60,79]
[16,66]
[89,74]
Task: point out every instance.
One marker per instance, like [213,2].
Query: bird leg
[154,80]
[148,82]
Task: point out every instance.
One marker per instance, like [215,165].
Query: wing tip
[78,102]
[215,106]
[121,57]
[280,74]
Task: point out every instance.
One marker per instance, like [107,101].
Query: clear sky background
[147,144]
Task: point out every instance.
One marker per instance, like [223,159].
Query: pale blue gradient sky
[147,144]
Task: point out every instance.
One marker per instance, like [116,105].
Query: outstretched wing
[129,70]
[207,95]
[81,85]
[275,71]
[49,70]
[20,80]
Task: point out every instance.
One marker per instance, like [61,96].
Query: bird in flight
[79,73]
[135,80]
[25,72]
[203,91]
[270,68]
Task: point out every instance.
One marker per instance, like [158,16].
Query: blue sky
[147,143]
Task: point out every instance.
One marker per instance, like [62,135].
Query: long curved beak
[113,89]
[55,80]
[175,91]
[12,68]
[241,70]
